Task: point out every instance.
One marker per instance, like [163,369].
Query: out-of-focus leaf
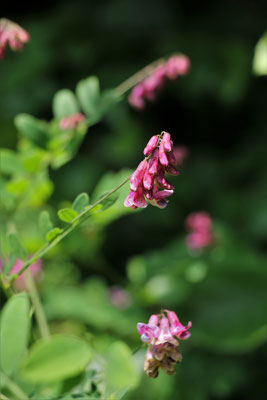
[17,186]
[109,201]
[51,235]
[14,332]
[64,104]
[88,94]
[17,247]
[121,372]
[67,214]
[81,201]
[56,359]
[45,223]
[260,56]
[9,162]
[32,129]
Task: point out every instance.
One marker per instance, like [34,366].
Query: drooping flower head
[71,121]
[149,176]
[175,66]
[162,334]
[200,234]
[13,35]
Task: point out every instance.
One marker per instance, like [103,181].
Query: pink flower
[12,34]
[71,121]
[180,154]
[119,297]
[161,334]
[149,176]
[177,65]
[200,231]
[147,89]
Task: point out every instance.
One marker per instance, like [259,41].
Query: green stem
[138,77]
[13,387]
[83,216]
[38,309]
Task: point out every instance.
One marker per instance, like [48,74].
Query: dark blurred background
[218,111]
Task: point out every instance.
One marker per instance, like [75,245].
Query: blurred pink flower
[200,226]
[119,297]
[180,153]
[175,66]
[35,269]
[13,35]
[71,121]
[149,176]
[161,334]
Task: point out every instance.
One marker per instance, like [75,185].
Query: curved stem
[83,216]
[138,77]
[38,309]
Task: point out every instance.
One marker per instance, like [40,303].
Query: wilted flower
[71,121]
[161,334]
[175,66]
[13,35]
[200,226]
[149,176]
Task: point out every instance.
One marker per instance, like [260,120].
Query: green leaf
[260,56]
[121,372]
[81,201]
[51,235]
[45,223]
[109,201]
[14,332]
[17,186]
[67,214]
[9,162]
[88,94]
[64,104]
[17,247]
[32,129]
[56,359]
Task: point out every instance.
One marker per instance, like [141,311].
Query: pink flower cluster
[146,90]
[12,34]
[161,334]
[150,174]
[200,226]
[71,121]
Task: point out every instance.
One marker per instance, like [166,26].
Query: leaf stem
[38,309]
[13,387]
[83,216]
[137,77]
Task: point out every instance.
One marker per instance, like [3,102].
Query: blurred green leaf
[81,201]
[260,56]
[9,162]
[88,93]
[14,332]
[109,201]
[17,186]
[67,214]
[64,104]
[51,235]
[45,223]
[121,372]
[33,129]
[17,247]
[56,359]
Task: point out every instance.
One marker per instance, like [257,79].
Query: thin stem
[137,77]
[13,387]
[83,216]
[38,309]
